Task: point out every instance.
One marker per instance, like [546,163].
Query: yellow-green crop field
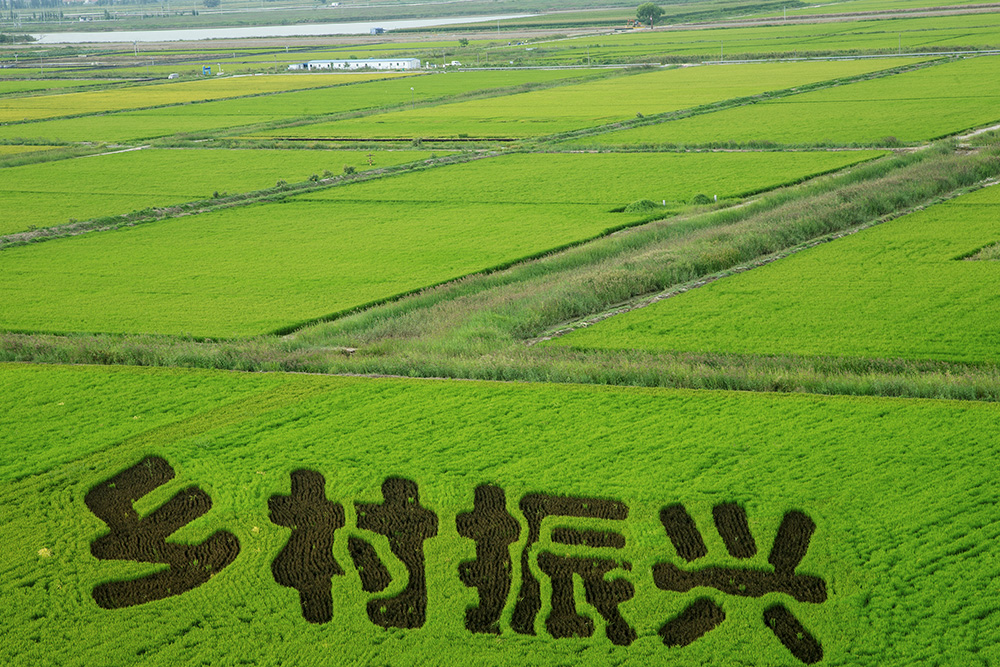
[268,267]
[53,193]
[216,115]
[365,521]
[845,6]
[612,180]
[49,106]
[914,106]
[10,87]
[886,36]
[14,150]
[588,104]
[899,290]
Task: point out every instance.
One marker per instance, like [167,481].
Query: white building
[370,63]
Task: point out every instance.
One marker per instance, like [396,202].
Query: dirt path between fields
[124,150]
[981,130]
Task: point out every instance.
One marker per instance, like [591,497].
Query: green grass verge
[908,562]
[15,150]
[990,252]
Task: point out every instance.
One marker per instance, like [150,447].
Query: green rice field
[886,36]
[850,6]
[8,87]
[83,188]
[266,267]
[214,115]
[613,180]
[888,499]
[587,104]
[899,290]
[117,99]
[910,107]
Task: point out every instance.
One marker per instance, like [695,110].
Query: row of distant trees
[7,5]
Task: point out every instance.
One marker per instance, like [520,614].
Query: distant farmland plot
[151,123]
[49,194]
[587,104]
[887,36]
[898,290]
[262,268]
[915,106]
[133,97]
[46,84]
[844,6]
[608,179]
[879,512]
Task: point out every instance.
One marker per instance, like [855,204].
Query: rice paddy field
[872,6]
[587,104]
[885,36]
[268,267]
[834,518]
[899,290]
[359,420]
[15,87]
[222,114]
[54,193]
[611,180]
[915,106]
[48,106]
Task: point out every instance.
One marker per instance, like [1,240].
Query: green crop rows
[907,562]
[894,291]
[612,180]
[587,104]
[889,36]
[150,123]
[53,193]
[909,107]
[7,87]
[262,268]
[47,106]
[845,6]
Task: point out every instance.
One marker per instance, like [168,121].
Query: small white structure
[370,63]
